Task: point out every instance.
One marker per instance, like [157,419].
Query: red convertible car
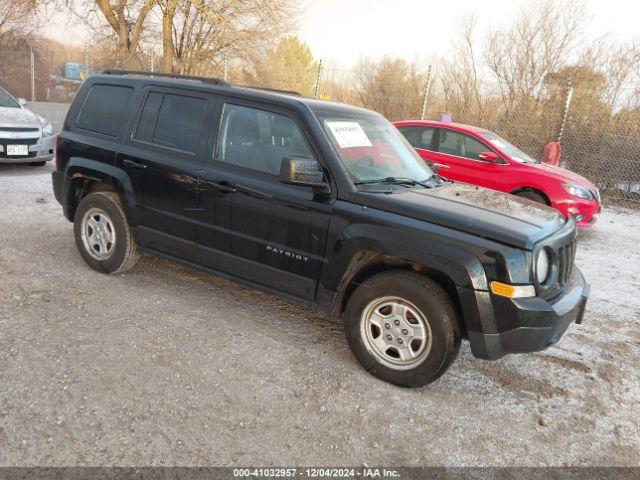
[474,155]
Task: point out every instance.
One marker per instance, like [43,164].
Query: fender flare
[116,178]
[361,246]
[460,264]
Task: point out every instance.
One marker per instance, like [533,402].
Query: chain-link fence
[35,72]
[599,143]
[603,149]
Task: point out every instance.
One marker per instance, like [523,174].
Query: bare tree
[460,77]
[199,35]
[18,18]
[538,42]
[125,20]
[620,64]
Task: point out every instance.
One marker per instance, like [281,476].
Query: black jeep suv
[320,202]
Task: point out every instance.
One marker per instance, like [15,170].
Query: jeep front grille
[562,247]
[566,256]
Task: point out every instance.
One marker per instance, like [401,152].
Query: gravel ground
[169,366]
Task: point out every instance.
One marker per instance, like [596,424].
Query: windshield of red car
[513,152]
[7,100]
[371,148]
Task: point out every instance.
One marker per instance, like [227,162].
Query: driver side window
[259,139]
[460,145]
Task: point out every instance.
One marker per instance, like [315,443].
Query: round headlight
[542,266]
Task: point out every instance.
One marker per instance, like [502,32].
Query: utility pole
[317,93]
[427,88]
[85,59]
[33,74]
[565,111]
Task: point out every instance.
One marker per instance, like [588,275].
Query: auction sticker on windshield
[349,134]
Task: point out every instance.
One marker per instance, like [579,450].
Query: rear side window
[106,109]
[418,137]
[173,121]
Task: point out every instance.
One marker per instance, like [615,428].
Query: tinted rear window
[179,122]
[106,109]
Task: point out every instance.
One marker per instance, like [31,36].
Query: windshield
[7,100]
[513,152]
[371,149]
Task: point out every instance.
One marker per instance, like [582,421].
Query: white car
[24,136]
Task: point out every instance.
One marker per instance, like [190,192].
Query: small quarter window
[148,117]
[106,109]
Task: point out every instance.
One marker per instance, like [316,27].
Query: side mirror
[488,156]
[302,171]
[23,102]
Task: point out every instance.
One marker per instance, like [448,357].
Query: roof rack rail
[275,90]
[211,80]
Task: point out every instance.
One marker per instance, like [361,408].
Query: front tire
[402,328]
[533,196]
[103,235]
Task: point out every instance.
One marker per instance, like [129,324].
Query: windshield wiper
[395,181]
[439,179]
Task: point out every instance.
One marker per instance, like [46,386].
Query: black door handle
[134,165]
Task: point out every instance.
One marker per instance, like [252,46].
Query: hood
[479,211]
[563,175]
[18,117]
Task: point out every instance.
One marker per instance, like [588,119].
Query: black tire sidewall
[108,205]
[532,196]
[438,314]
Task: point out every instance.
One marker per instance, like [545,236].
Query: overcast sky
[414,29]
[345,30]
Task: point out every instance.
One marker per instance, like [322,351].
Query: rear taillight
[55,152]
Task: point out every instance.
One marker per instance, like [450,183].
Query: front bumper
[41,151]
[585,212]
[534,323]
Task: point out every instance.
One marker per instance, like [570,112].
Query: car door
[162,156]
[458,155]
[255,227]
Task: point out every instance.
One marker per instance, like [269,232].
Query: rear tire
[533,196]
[103,235]
[402,328]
